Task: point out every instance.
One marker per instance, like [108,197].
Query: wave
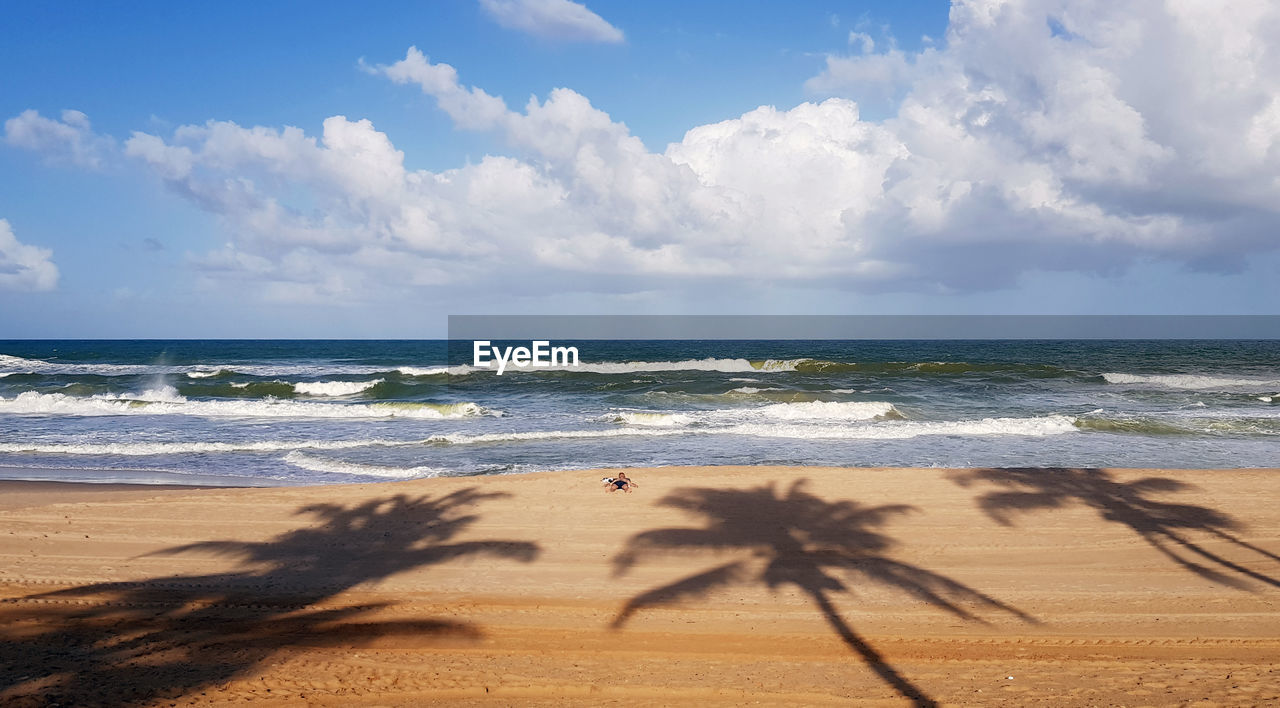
[709,364]
[217,373]
[915,368]
[335,388]
[132,449]
[243,389]
[19,365]
[377,389]
[167,401]
[465,439]
[12,364]
[1138,426]
[748,390]
[312,463]
[830,410]
[901,430]
[663,420]
[884,430]
[459,370]
[761,366]
[848,411]
[625,367]
[1186,422]
[1191,381]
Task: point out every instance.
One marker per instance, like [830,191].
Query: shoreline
[733,584]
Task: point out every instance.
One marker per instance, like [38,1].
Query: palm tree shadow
[796,538]
[1163,525]
[134,643]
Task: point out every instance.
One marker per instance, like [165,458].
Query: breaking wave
[802,411]
[1192,382]
[437,370]
[322,464]
[335,388]
[166,401]
[661,420]
[132,449]
[830,410]
[904,429]
[883,430]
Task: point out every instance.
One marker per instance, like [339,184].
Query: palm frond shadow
[1164,525]
[134,643]
[796,538]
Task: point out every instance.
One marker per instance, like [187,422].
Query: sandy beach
[714,585]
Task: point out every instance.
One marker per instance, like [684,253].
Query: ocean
[266,413]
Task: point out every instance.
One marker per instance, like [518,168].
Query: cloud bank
[560,20]
[1041,135]
[70,141]
[24,267]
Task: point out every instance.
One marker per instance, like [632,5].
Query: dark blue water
[301,412]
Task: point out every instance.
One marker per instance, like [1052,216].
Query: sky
[310,169]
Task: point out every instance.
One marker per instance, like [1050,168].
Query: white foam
[817,411]
[320,464]
[334,388]
[176,448]
[1264,399]
[745,380]
[883,430]
[662,420]
[204,374]
[720,365]
[167,402]
[1190,381]
[163,394]
[828,410]
[901,430]
[14,364]
[20,365]
[631,367]
[437,370]
[464,439]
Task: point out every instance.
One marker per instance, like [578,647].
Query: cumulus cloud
[24,267]
[70,140]
[1041,135]
[552,19]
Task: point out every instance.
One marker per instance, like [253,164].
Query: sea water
[312,412]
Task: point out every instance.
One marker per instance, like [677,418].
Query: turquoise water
[309,412]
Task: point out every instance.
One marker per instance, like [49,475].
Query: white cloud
[552,19]
[24,267]
[1042,135]
[70,140]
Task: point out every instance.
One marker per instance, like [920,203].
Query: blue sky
[1012,156]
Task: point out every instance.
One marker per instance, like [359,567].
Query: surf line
[539,353]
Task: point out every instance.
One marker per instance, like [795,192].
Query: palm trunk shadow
[799,540]
[868,654]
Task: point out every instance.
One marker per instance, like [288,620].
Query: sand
[714,586]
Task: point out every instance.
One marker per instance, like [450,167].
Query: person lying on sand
[622,481]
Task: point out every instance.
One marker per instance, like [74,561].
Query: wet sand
[719,585]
